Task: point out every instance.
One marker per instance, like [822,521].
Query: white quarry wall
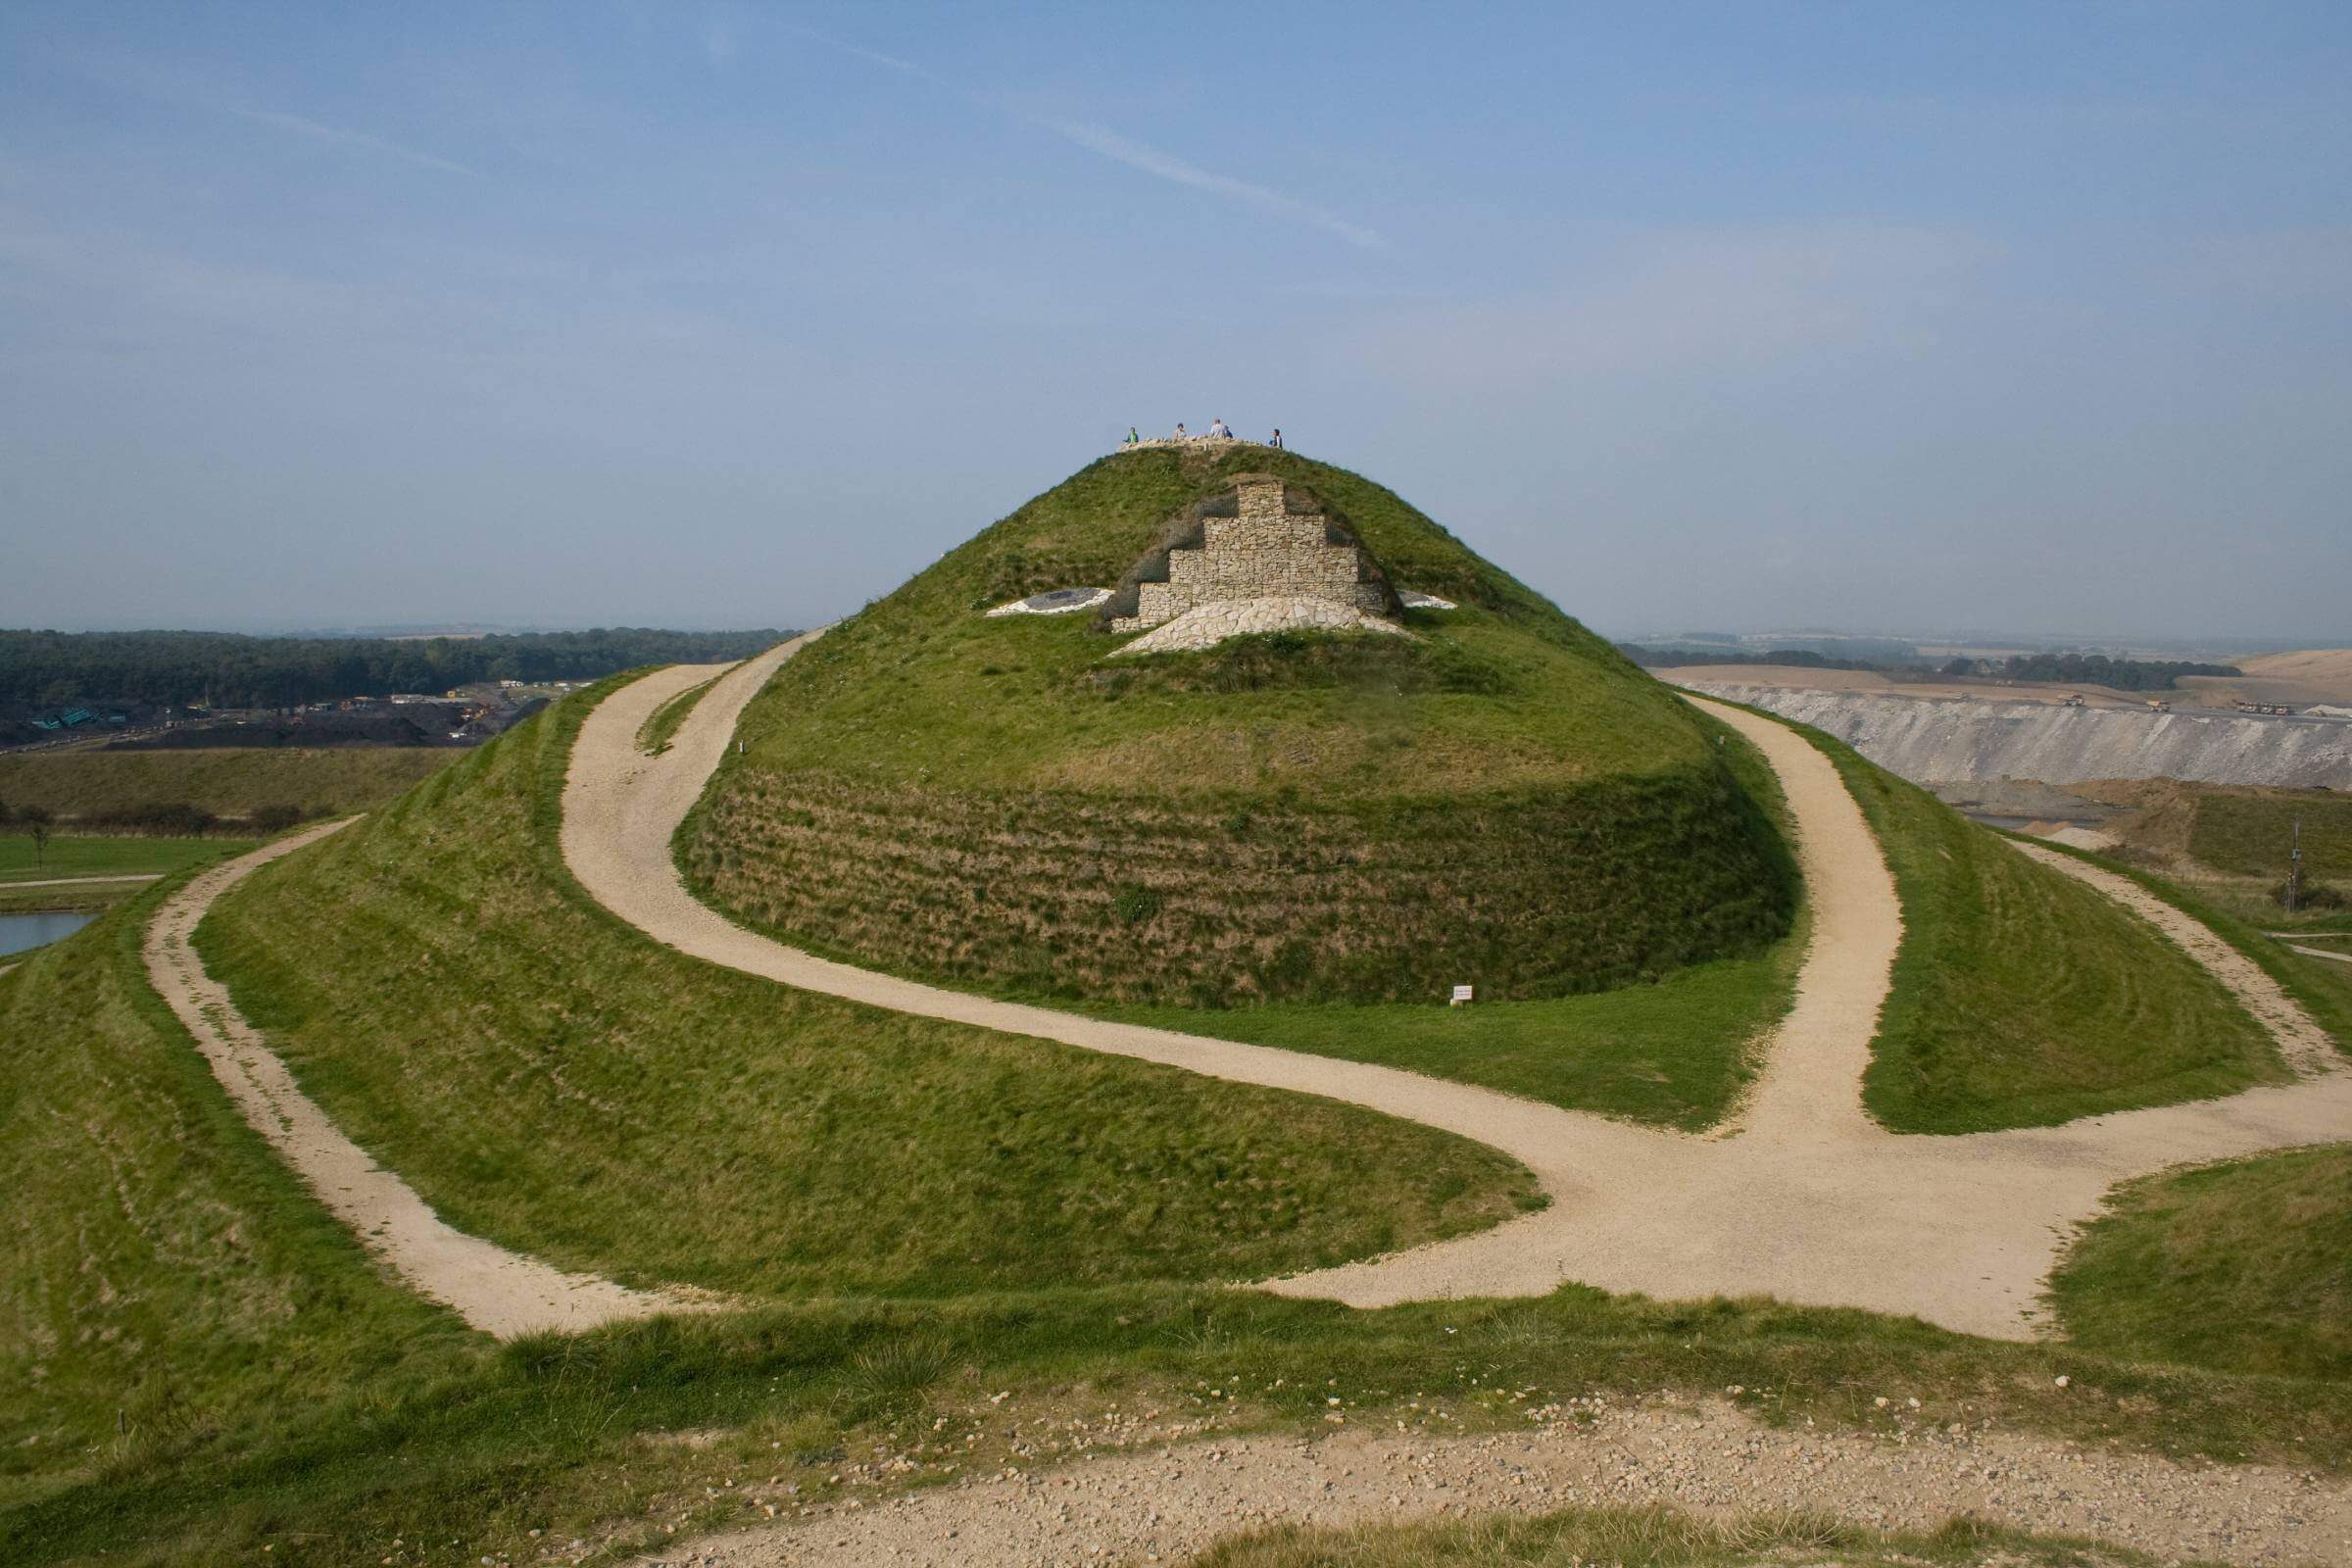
[1929,740]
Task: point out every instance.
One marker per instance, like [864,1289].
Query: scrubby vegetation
[1649,1537]
[107,786]
[2023,998]
[691,1124]
[2240,1267]
[2252,831]
[2090,670]
[223,669]
[1505,802]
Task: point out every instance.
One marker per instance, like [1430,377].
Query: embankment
[1926,739]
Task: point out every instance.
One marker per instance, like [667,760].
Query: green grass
[2322,986]
[228,781]
[2242,1268]
[1673,1053]
[68,855]
[2251,832]
[654,735]
[662,1119]
[202,1363]
[2021,997]
[1503,800]
[1652,1538]
[1676,1051]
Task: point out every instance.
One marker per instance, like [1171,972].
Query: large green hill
[1500,799]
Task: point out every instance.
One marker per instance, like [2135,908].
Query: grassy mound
[229,781]
[1503,801]
[662,1119]
[2023,998]
[2242,1268]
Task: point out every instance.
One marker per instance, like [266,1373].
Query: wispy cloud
[341,136]
[1151,161]
[1134,154]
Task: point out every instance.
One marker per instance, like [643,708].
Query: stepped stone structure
[1259,558]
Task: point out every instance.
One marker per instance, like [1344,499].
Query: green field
[2242,1268]
[209,1365]
[2021,997]
[1501,800]
[69,855]
[73,855]
[693,1124]
[1651,1538]
[2252,831]
[228,781]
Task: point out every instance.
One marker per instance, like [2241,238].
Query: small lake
[20,931]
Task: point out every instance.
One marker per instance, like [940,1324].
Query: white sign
[1461,994]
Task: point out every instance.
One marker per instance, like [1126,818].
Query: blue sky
[2029,319]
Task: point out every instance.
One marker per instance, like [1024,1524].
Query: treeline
[2090,670]
[1800,657]
[176,819]
[225,669]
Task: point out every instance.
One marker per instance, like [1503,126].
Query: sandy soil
[1804,1199]
[1166,1504]
[501,1293]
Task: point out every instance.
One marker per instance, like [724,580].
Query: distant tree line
[225,669]
[1800,657]
[2090,670]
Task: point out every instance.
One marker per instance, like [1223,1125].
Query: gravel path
[501,1293]
[1164,1505]
[79,881]
[1804,1199]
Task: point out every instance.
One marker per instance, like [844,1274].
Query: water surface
[20,931]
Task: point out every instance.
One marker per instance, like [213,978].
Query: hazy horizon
[2014,318]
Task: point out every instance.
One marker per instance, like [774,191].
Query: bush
[165,819]
[2315,895]
[274,818]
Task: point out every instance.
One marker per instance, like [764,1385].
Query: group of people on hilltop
[1218,430]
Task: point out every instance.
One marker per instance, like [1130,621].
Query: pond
[20,931]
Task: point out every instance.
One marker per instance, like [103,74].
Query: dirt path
[1166,1504]
[79,881]
[1830,1209]
[498,1292]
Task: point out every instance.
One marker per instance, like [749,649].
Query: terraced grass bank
[661,1120]
[1502,801]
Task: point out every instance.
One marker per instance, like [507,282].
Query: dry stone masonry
[1264,568]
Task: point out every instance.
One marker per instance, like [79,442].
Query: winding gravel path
[1804,1199]
[498,1291]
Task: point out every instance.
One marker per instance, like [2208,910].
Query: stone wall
[1264,551]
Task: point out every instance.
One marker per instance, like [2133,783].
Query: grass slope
[663,1119]
[2242,1267]
[2251,832]
[1677,1053]
[203,1365]
[1505,800]
[2021,997]
[228,781]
